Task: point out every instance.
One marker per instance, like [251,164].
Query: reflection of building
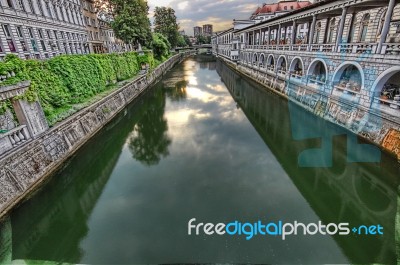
[95,43]
[197,31]
[207,30]
[41,29]
[346,192]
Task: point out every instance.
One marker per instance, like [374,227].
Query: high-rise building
[197,31]
[207,30]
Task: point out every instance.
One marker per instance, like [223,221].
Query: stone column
[386,25]
[269,35]
[341,28]
[31,114]
[278,35]
[294,32]
[311,32]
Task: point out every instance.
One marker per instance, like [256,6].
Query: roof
[281,7]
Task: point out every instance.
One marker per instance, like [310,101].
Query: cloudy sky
[220,13]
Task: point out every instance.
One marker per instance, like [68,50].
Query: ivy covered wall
[65,80]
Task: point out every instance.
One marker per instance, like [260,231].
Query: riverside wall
[24,168]
[378,128]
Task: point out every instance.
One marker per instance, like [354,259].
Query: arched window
[332,28]
[380,26]
[364,28]
[317,32]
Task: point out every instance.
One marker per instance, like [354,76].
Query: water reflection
[196,155]
[358,193]
[149,141]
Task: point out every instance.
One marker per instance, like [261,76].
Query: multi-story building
[111,43]
[95,42]
[207,30]
[197,31]
[350,53]
[41,29]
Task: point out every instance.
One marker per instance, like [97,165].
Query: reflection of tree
[150,141]
[178,92]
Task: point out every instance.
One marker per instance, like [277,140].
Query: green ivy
[65,80]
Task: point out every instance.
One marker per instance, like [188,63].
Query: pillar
[386,25]
[311,32]
[341,28]
[269,35]
[31,114]
[278,35]
[294,32]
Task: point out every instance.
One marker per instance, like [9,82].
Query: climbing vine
[65,80]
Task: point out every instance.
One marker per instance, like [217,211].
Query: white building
[41,29]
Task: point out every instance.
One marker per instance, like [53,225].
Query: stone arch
[297,65]
[255,58]
[383,79]
[271,59]
[377,201]
[282,63]
[349,73]
[262,59]
[319,69]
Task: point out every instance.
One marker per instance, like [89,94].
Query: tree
[150,141]
[181,41]
[187,40]
[128,19]
[165,23]
[160,45]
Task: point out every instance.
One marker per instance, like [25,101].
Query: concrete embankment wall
[26,167]
[375,126]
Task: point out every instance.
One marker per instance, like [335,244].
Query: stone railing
[24,167]
[13,138]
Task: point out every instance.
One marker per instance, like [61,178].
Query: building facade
[41,29]
[345,68]
[95,42]
[111,43]
[197,31]
[207,30]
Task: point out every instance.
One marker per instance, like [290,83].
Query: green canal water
[205,143]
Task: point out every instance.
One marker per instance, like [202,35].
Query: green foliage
[70,79]
[181,41]
[161,46]
[165,23]
[203,39]
[130,22]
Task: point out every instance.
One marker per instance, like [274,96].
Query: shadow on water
[55,221]
[358,193]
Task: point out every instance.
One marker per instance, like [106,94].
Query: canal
[206,143]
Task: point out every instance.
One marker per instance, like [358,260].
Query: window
[364,28]
[21,38]
[48,9]
[32,10]
[380,27]
[41,37]
[10,41]
[331,30]
[10,4]
[33,40]
[21,5]
[317,33]
[40,7]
